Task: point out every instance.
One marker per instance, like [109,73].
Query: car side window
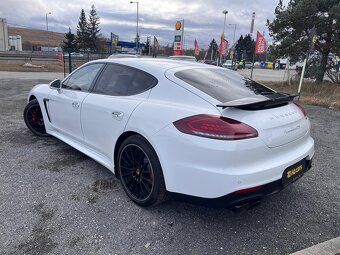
[120,80]
[83,78]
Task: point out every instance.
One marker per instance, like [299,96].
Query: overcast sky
[203,19]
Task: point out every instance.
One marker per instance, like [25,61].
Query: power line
[17,25]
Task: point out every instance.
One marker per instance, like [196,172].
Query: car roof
[124,56]
[151,65]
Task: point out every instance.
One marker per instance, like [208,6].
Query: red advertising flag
[260,47]
[223,46]
[197,49]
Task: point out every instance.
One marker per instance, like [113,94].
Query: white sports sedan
[197,132]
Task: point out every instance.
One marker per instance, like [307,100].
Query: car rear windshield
[223,85]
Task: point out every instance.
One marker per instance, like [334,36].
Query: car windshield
[223,85]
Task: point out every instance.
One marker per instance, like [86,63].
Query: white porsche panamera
[163,127]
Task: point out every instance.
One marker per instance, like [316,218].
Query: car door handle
[75,105]
[117,115]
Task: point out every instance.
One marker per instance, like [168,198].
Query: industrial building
[12,42]
[3,35]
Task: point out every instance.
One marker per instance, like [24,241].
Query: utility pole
[137,37]
[225,12]
[234,31]
[48,42]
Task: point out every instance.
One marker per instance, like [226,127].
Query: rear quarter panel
[167,103]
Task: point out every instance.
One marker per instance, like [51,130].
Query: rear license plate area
[294,172]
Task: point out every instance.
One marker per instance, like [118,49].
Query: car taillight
[215,127]
[302,110]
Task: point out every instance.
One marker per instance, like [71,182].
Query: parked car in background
[248,64]
[196,131]
[184,58]
[229,64]
[73,54]
[257,64]
[210,62]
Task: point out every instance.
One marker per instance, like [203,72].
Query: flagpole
[312,35]
[153,50]
[302,76]
[252,66]
[183,38]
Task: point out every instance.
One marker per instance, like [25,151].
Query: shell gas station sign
[178,38]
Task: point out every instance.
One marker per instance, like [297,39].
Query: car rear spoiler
[253,103]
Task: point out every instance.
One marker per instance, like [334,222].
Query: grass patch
[46,66]
[326,94]
[18,66]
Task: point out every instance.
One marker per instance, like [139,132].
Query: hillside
[35,37]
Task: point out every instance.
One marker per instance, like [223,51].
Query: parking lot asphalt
[55,200]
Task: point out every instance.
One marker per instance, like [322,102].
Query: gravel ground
[55,200]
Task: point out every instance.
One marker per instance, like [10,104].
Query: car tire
[34,119]
[140,172]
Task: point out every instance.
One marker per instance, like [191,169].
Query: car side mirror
[55,84]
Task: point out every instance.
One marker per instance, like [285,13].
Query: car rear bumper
[213,169]
[238,202]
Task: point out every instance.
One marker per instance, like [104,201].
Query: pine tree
[239,48]
[213,49]
[70,44]
[82,32]
[249,47]
[146,47]
[292,29]
[93,28]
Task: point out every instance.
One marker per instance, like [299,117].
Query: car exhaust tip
[239,208]
[253,205]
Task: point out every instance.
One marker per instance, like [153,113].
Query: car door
[106,110]
[65,103]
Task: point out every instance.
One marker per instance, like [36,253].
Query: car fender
[40,92]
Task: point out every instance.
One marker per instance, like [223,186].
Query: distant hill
[36,37]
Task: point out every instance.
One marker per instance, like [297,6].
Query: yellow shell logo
[178,25]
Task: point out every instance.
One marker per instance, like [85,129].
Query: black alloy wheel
[140,172]
[34,119]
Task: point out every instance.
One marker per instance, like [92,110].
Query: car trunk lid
[276,126]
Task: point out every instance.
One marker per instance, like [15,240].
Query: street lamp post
[137,37]
[225,12]
[232,57]
[48,43]
[234,31]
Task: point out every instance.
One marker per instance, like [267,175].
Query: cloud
[203,19]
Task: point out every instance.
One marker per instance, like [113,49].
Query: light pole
[140,37]
[234,31]
[232,57]
[225,12]
[137,37]
[48,43]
